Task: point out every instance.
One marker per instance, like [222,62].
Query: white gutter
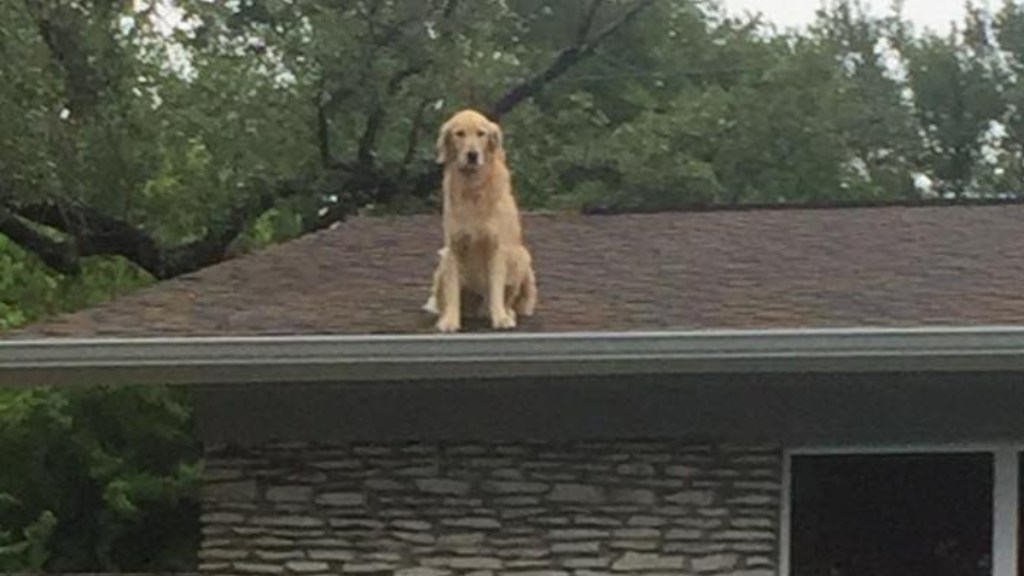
[338,359]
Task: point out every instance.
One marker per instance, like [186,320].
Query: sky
[934,14]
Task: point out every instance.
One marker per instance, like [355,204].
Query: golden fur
[520,297]
[483,251]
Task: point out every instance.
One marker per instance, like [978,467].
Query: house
[738,392]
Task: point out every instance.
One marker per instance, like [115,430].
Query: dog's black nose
[472,157]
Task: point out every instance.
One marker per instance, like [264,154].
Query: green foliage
[28,550]
[30,291]
[93,478]
[681,107]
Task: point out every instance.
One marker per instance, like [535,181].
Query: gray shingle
[895,266]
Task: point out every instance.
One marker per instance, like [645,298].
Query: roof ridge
[824,205]
[697,208]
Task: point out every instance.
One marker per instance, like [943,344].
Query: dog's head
[469,141]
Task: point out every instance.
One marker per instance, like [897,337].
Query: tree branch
[449,8]
[94,233]
[368,141]
[564,62]
[414,136]
[82,76]
[59,256]
[323,132]
[327,102]
[588,22]
[212,247]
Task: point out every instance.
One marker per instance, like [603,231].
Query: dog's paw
[448,325]
[504,321]
[431,306]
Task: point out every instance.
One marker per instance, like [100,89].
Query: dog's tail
[431,304]
[526,304]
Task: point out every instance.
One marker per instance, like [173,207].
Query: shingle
[895,266]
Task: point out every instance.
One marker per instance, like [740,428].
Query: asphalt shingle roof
[892,266]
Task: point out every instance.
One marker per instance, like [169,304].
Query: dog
[483,250]
[520,297]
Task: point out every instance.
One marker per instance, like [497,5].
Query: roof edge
[376,358]
[811,205]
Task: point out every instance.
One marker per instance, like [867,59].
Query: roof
[758,269]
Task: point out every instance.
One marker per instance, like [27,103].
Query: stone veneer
[532,509]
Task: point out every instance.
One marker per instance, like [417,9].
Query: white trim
[1005,509]
[213,360]
[786,514]
[1005,492]
[906,449]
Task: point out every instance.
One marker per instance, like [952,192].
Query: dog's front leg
[450,294]
[498,272]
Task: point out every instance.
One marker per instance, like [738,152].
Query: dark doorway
[891,515]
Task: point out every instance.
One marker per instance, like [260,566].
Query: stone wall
[581,509]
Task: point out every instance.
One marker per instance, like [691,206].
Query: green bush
[92,478]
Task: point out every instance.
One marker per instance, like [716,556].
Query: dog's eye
[460,133]
[481,134]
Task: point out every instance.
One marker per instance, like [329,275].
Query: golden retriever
[483,249]
[520,297]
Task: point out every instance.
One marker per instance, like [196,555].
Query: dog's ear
[495,138]
[444,144]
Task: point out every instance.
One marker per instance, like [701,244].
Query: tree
[873,116]
[91,479]
[956,84]
[1009,31]
[317,105]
